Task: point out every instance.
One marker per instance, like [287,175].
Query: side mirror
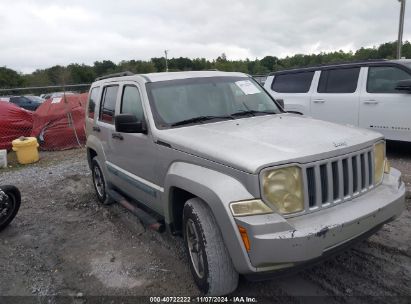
[280,102]
[128,123]
[404,85]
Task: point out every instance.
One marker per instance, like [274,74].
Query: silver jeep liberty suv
[253,190]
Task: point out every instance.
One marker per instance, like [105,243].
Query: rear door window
[339,80]
[108,104]
[384,79]
[293,83]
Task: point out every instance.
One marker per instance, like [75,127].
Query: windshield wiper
[199,119]
[251,113]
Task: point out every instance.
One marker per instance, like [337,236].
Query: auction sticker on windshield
[247,87]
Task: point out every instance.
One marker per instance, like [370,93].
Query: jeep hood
[250,144]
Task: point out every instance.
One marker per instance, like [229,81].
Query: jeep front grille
[339,179]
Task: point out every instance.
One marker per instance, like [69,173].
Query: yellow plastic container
[26,150]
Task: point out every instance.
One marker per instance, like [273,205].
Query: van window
[108,104]
[384,79]
[92,101]
[293,83]
[339,80]
[131,102]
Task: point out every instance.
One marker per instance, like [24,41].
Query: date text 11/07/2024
[204,299]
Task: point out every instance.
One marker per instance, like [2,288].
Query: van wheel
[100,184]
[209,260]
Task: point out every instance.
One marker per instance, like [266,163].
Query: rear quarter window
[293,83]
[92,101]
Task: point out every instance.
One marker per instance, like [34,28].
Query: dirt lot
[64,243]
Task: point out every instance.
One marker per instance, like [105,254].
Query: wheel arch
[94,149]
[217,190]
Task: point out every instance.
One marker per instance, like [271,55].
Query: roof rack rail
[121,74]
[330,64]
[352,62]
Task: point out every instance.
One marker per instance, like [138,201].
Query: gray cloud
[42,33]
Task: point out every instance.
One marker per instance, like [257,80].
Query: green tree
[159,63]
[81,73]
[269,62]
[136,66]
[58,75]
[37,79]
[366,53]
[387,50]
[104,67]
[10,78]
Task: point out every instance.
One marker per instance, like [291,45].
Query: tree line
[82,73]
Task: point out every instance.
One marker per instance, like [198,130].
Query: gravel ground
[63,242]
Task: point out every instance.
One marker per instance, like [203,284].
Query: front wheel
[210,262]
[10,200]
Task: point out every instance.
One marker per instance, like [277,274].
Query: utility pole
[166,53]
[400,28]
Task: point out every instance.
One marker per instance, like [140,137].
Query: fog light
[252,207]
[387,167]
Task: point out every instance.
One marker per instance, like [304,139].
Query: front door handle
[318,100]
[370,102]
[117,136]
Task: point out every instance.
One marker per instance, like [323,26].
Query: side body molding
[218,191]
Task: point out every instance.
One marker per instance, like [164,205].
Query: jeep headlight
[252,207]
[284,189]
[379,161]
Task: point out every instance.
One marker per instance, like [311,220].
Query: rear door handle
[96,129]
[370,102]
[117,136]
[318,100]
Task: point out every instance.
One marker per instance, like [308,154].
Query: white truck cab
[369,94]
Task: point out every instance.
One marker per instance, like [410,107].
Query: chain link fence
[57,122]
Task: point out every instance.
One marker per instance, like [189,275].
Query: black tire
[10,201]
[218,276]
[100,183]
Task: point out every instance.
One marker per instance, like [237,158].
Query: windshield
[35,98]
[201,100]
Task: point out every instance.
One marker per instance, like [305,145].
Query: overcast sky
[41,33]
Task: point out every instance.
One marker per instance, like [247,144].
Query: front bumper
[278,243]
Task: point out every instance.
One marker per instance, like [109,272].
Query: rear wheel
[10,200]
[210,262]
[100,184]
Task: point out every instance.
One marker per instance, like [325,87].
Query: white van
[370,94]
